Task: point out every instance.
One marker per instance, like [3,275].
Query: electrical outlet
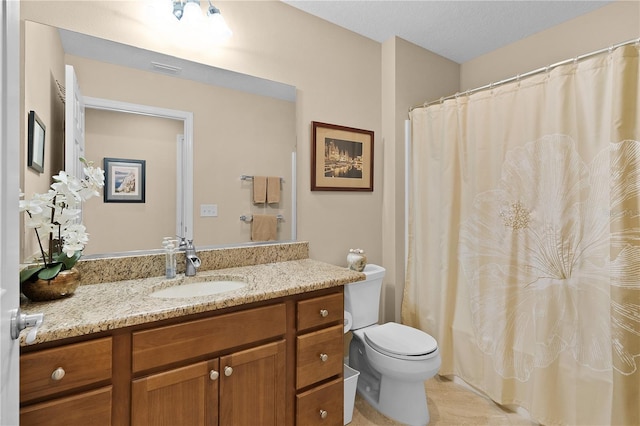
[208,210]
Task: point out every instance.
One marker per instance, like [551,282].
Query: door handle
[20,321]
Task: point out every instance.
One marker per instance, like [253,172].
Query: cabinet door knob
[58,374]
[228,371]
[213,375]
[323,414]
[324,313]
[324,357]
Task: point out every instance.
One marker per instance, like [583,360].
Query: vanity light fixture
[189,11]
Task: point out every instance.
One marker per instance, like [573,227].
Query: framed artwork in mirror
[35,147]
[341,158]
[124,180]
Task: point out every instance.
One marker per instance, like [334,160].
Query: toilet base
[401,400]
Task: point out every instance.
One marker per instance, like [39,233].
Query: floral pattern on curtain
[549,214]
[524,239]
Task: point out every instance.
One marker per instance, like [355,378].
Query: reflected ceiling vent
[166,68]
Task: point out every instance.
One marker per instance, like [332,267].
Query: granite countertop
[107,306]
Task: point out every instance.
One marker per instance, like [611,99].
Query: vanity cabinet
[243,387]
[270,363]
[319,365]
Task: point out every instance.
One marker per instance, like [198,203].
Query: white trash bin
[350,385]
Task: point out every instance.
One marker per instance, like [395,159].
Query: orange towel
[273,189]
[259,189]
[264,227]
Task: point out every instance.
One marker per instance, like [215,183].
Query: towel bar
[249,218]
[248,177]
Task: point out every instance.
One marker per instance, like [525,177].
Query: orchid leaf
[50,272]
[67,261]
[28,273]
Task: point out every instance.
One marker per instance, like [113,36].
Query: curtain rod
[527,74]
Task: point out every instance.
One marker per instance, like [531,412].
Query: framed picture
[124,180]
[35,147]
[341,158]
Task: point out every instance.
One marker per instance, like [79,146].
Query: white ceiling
[457,30]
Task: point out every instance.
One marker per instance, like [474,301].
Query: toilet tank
[362,298]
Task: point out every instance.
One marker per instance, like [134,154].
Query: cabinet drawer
[320,311]
[320,355]
[83,364]
[87,408]
[174,343]
[322,401]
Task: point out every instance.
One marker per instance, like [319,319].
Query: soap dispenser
[170,257]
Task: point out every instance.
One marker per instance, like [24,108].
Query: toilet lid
[400,341]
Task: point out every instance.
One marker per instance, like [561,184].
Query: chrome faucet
[191,258]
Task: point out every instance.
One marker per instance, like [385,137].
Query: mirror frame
[184,153]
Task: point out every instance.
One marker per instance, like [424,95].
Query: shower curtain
[524,239]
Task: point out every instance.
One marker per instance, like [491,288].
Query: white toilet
[394,360]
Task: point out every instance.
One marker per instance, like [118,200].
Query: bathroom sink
[204,287]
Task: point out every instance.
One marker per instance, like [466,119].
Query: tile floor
[449,404]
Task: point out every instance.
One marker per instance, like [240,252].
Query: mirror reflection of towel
[259,189]
[273,189]
[264,227]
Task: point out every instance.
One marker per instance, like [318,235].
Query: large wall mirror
[242,126]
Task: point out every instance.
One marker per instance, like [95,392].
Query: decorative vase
[357,259]
[63,285]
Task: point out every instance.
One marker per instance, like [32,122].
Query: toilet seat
[401,341]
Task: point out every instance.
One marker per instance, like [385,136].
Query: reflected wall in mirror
[135,137]
[240,128]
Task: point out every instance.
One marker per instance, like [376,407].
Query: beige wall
[615,23]
[43,65]
[337,75]
[345,79]
[113,226]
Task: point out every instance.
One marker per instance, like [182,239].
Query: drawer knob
[324,357]
[323,414]
[58,374]
[213,375]
[324,313]
[228,371]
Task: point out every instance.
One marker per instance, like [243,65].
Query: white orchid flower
[66,216]
[54,214]
[94,177]
[75,238]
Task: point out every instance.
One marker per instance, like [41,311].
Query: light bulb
[191,13]
[219,27]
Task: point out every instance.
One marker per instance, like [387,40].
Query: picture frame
[341,158]
[124,180]
[35,147]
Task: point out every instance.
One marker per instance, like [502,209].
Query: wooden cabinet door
[252,386]
[183,396]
